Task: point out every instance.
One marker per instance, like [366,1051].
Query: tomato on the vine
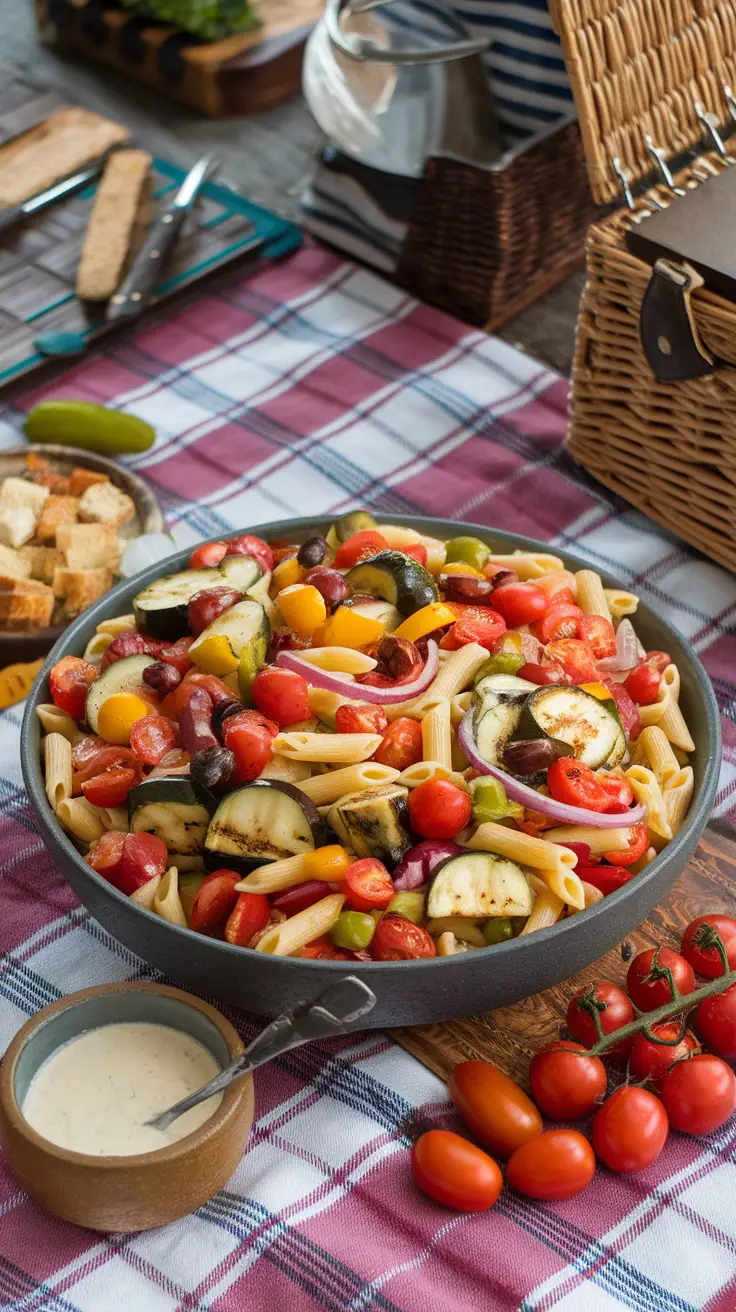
[454,1172]
[699,1093]
[716,1022]
[648,977]
[567,1083]
[638,844]
[557,1164]
[698,948]
[630,1129]
[438,809]
[650,1061]
[613,1008]
[495,1109]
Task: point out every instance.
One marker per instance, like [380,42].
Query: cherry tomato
[152,737]
[402,744]
[495,1109]
[699,1094]
[144,856]
[417,552]
[628,711]
[322,949]
[716,1022]
[565,1085]
[398,939]
[642,684]
[575,784]
[619,790]
[650,1061]
[359,547]
[542,674]
[297,899]
[110,788]
[215,899]
[598,632]
[614,1010]
[659,660]
[249,915]
[178,655]
[208,556]
[249,736]
[98,762]
[249,545]
[699,934]
[561,621]
[281,695]
[105,854]
[360,717]
[69,683]
[558,1164]
[205,606]
[576,659]
[368,885]
[519,603]
[486,630]
[630,1129]
[638,844]
[603,877]
[647,979]
[454,1172]
[438,809]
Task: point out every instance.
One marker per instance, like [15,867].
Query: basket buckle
[667,326]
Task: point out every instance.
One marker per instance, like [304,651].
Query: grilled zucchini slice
[161,609]
[594,735]
[176,810]
[374,822]
[125,675]
[396,578]
[266,820]
[478,885]
[241,572]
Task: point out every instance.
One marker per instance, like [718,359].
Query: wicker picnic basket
[665,443]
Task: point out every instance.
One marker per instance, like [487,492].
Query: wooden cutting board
[510,1036]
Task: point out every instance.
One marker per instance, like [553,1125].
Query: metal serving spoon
[334,1012]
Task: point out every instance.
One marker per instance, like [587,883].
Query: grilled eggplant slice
[374,822]
[396,578]
[176,810]
[241,572]
[161,609]
[478,885]
[122,676]
[266,820]
[575,717]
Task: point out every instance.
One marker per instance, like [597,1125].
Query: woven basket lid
[638,68]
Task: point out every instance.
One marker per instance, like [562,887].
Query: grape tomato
[558,1164]
[495,1109]
[454,1172]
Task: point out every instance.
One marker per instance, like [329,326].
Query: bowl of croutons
[66,516]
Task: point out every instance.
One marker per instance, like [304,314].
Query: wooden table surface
[268,156]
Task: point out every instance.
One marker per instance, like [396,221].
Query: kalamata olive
[330,583]
[421,643]
[530,755]
[312,552]
[503,576]
[419,863]
[129,644]
[163,678]
[213,767]
[466,587]
[205,606]
[195,723]
[221,712]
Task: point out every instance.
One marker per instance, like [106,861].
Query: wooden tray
[39,257]
[510,1036]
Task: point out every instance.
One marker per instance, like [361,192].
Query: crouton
[106,504]
[17,492]
[39,561]
[89,546]
[12,562]
[80,587]
[10,583]
[17,524]
[56,511]
[40,471]
[81,479]
[26,611]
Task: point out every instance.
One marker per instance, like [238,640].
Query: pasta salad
[373,745]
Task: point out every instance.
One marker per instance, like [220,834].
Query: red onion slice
[627,650]
[526,796]
[345,686]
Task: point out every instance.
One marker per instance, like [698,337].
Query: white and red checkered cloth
[308,388]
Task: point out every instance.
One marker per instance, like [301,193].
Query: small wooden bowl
[123,1193]
[16,646]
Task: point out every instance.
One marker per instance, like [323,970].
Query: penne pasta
[459,704]
[436,553]
[54,720]
[436,736]
[87,822]
[324,704]
[96,647]
[678,794]
[277,875]
[653,749]
[555,864]
[449,946]
[666,713]
[423,771]
[57,760]
[463,929]
[345,660]
[598,840]
[527,564]
[121,624]
[290,772]
[644,861]
[556,581]
[592,894]
[590,595]
[547,909]
[324,789]
[329,747]
[398,536]
[166,901]
[620,603]
[144,896]
[647,790]
[299,930]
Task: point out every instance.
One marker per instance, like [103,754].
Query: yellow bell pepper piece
[16,682]
[286,572]
[303,608]
[117,716]
[346,629]
[459,567]
[434,616]
[328,863]
[215,656]
[598,690]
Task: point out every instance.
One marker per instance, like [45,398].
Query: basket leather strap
[669,334]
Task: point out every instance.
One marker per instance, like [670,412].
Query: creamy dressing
[95,1093]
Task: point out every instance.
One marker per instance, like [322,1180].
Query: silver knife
[13,213]
[138,286]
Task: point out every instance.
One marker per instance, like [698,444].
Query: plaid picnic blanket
[311,387]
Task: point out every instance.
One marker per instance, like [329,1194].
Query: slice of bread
[62,144]
[114,224]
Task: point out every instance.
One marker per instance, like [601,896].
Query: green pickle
[353,930]
[409,905]
[504,662]
[498,930]
[471,551]
[92,427]
[490,801]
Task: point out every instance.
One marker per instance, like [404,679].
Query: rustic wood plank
[510,1036]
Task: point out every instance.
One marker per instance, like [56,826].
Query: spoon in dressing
[334,1012]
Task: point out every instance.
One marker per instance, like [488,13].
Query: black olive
[627,950]
[312,552]
[221,711]
[212,768]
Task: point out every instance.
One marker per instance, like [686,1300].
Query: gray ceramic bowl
[408,992]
